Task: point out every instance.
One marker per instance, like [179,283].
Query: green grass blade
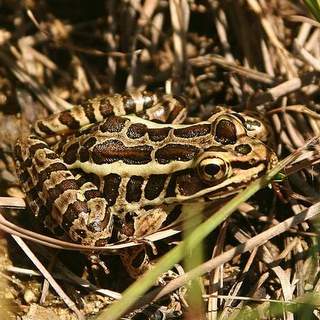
[192,259]
[314,8]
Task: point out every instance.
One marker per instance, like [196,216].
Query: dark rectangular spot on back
[194,131]
[137,130]
[158,134]
[113,124]
[176,152]
[114,150]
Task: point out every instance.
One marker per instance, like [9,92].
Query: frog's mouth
[239,172]
[229,186]
[190,187]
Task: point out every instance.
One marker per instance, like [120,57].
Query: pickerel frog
[124,166]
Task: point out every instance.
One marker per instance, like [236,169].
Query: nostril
[243,148]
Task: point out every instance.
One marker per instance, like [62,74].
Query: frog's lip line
[238,179]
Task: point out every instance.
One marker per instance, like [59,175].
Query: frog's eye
[213,170]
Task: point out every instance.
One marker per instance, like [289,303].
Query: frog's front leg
[135,227]
[81,212]
[78,207]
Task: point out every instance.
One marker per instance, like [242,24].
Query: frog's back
[132,146]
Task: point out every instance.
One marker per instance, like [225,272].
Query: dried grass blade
[180,14]
[12,203]
[48,276]
[48,99]
[249,245]
[13,229]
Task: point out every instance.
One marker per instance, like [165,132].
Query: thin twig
[211,264]
[48,276]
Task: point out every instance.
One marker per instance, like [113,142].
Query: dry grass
[249,54]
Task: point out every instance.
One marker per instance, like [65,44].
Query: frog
[124,166]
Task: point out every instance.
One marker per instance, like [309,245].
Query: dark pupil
[211,169]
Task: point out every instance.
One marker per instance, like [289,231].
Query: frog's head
[237,157]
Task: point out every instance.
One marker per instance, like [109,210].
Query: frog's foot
[135,260]
[171,274]
[98,264]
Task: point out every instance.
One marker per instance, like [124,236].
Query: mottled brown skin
[107,165]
